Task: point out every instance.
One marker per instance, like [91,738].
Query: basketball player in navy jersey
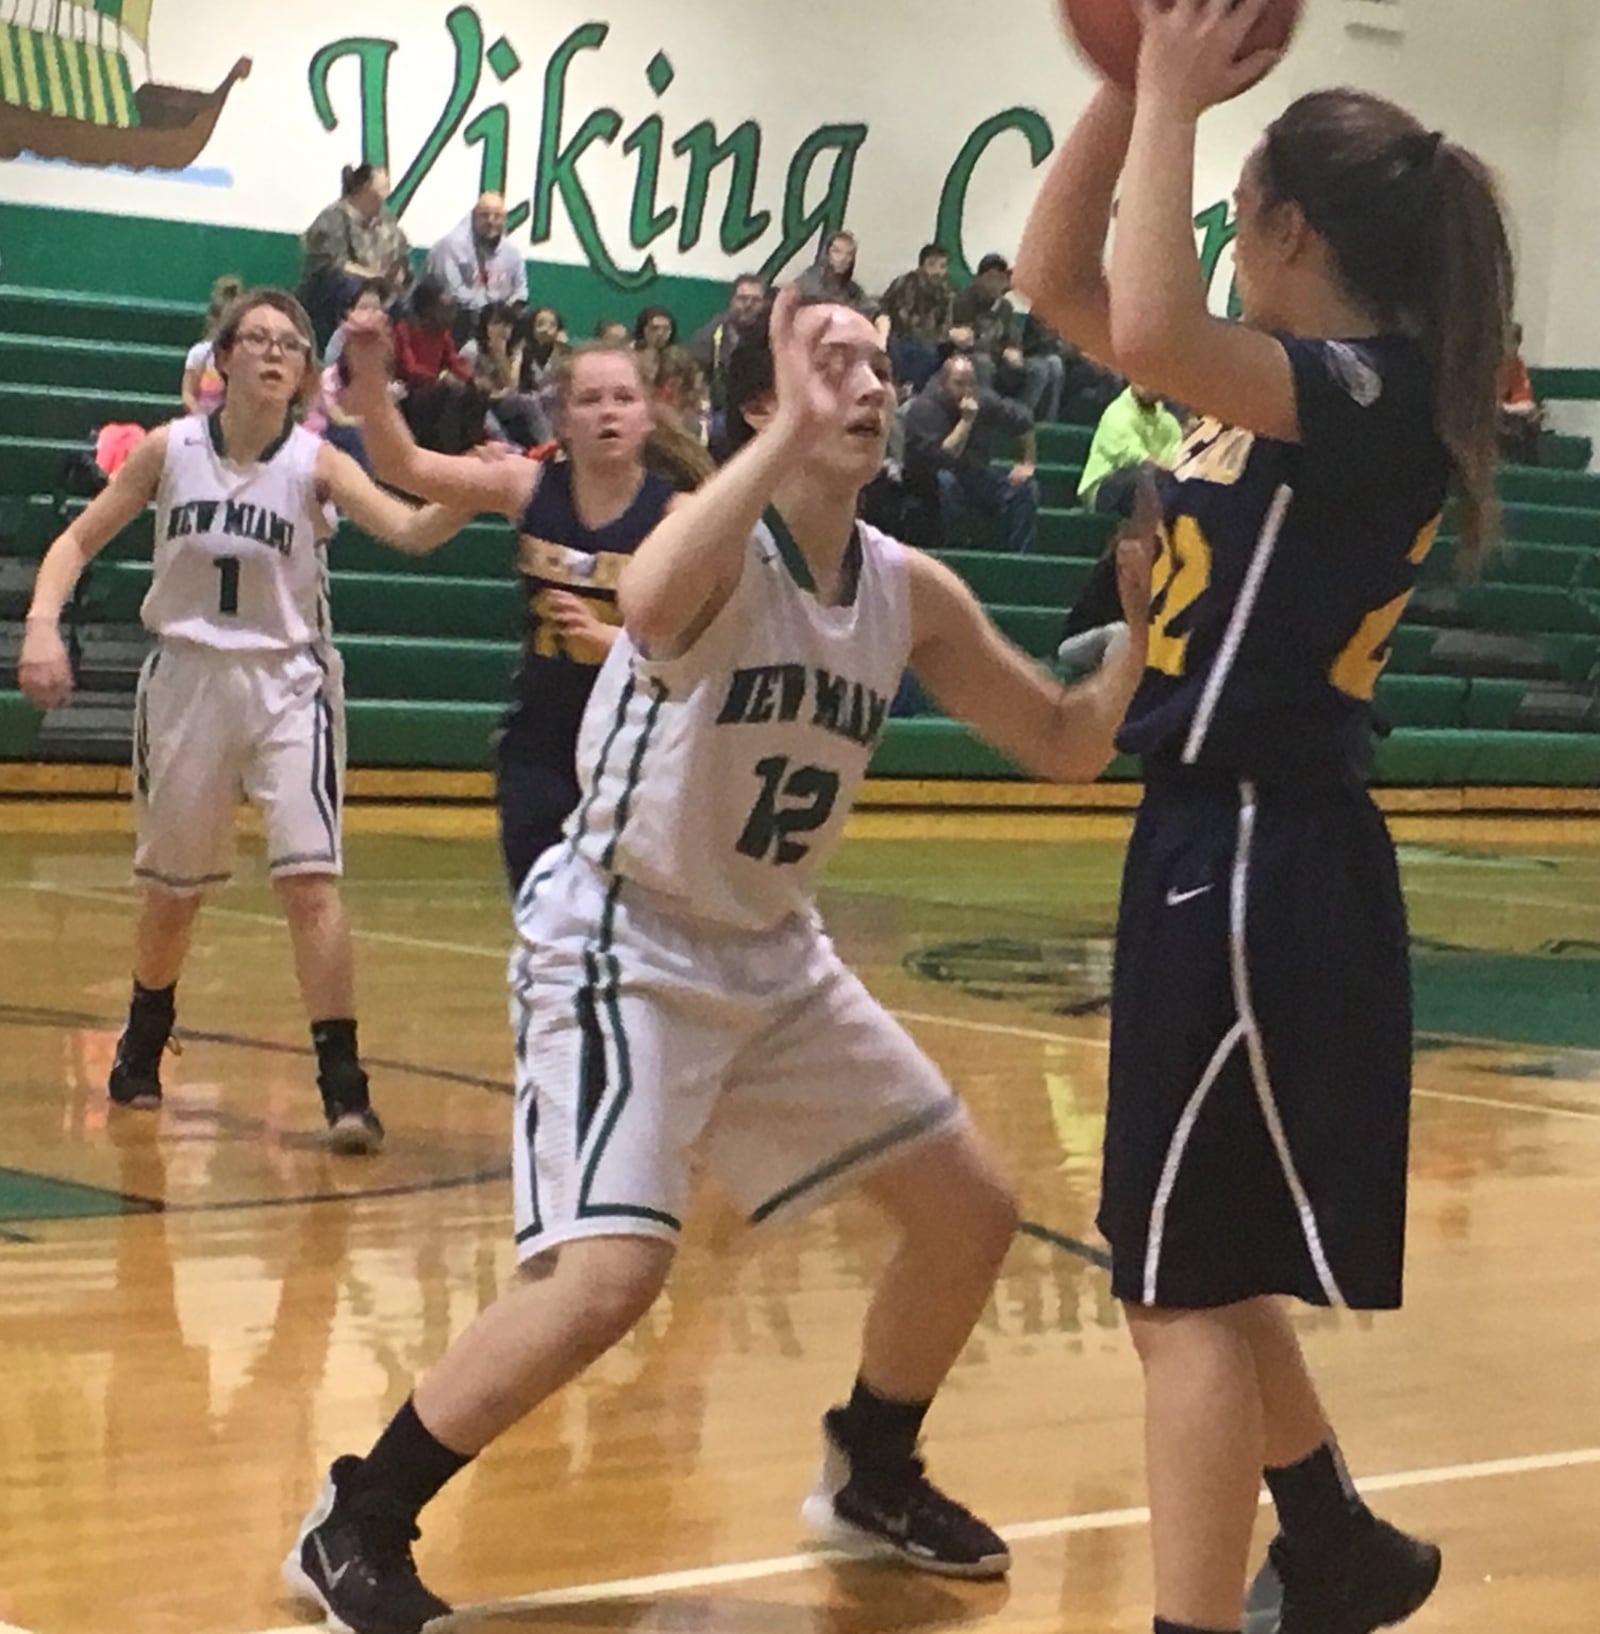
[578,520]
[1261,1036]
[243,686]
[677,1003]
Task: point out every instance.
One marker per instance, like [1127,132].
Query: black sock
[1315,1498]
[878,1430]
[1162,1626]
[335,1043]
[153,1004]
[408,1461]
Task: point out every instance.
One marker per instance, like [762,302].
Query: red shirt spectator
[423,352]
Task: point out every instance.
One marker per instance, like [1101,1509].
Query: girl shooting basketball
[676,999]
[1261,1036]
[242,687]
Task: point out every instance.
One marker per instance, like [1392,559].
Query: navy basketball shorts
[1260,1086]
[535,795]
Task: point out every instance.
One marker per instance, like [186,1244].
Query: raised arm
[44,670]
[1061,263]
[462,482]
[1065,734]
[1162,332]
[411,529]
[681,577]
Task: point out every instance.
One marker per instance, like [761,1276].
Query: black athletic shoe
[136,1072]
[898,1512]
[1379,1578]
[354,1129]
[353,1558]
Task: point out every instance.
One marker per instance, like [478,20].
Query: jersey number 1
[809,793]
[228,593]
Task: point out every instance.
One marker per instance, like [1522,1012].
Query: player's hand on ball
[44,671]
[1190,57]
[1138,544]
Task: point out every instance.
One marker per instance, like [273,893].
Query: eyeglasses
[263,342]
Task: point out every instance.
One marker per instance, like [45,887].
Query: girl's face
[841,255]
[269,361]
[606,415]
[500,335]
[545,326]
[658,332]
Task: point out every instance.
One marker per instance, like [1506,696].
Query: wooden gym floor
[198,1309]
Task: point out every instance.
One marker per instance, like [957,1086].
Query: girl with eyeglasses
[243,687]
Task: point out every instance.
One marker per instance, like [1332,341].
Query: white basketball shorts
[211,726]
[650,1047]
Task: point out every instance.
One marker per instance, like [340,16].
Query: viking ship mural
[68,88]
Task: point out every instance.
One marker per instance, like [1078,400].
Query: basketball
[1107,32]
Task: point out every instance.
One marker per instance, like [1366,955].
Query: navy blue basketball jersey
[1285,567]
[556,551]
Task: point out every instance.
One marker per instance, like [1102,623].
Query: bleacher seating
[1491,683]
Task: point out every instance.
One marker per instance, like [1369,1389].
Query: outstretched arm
[1066,734]
[460,481]
[44,671]
[413,529]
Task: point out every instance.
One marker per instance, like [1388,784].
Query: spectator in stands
[495,354]
[832,277]
[654,331]
[713,344]
[1137,430]
[613,331]
[203,386]
[1521,416]
[983,311]
[952,426]
[920,307]
[479,266]
[443,407]
[352,241]
[542,353]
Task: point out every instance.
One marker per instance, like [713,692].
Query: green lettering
[740,226]
[558,166]
[646,224]
[801,226]
[830,701]
[1030,123]
[373,56]
[467,34]
[1220,231]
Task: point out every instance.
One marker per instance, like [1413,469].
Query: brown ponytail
[1419,236]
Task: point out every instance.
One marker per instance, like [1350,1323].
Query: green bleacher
[1488,684]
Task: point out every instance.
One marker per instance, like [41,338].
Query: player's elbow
[648,613]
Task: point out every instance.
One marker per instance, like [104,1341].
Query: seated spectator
[202,386]
[479,266]
[1081,391]
[920,307]
[614,332]
[542,352]
[1137,430]
[987,322]
[654,330]
[495,354]
[951,428]
[712,345]
[1521,416]
[349,243]
[680,389]
[443,407]
[832,277]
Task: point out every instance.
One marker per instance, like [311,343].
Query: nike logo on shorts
[1176,899]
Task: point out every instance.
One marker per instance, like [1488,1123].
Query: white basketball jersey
[722,779]
[241,560]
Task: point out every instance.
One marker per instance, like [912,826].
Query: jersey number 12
[808,794]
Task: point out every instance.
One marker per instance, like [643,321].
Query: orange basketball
[1107,32]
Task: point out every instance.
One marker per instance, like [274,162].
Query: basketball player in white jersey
[676,1000]
[243,687]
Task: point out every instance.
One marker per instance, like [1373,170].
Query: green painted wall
[154,259]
